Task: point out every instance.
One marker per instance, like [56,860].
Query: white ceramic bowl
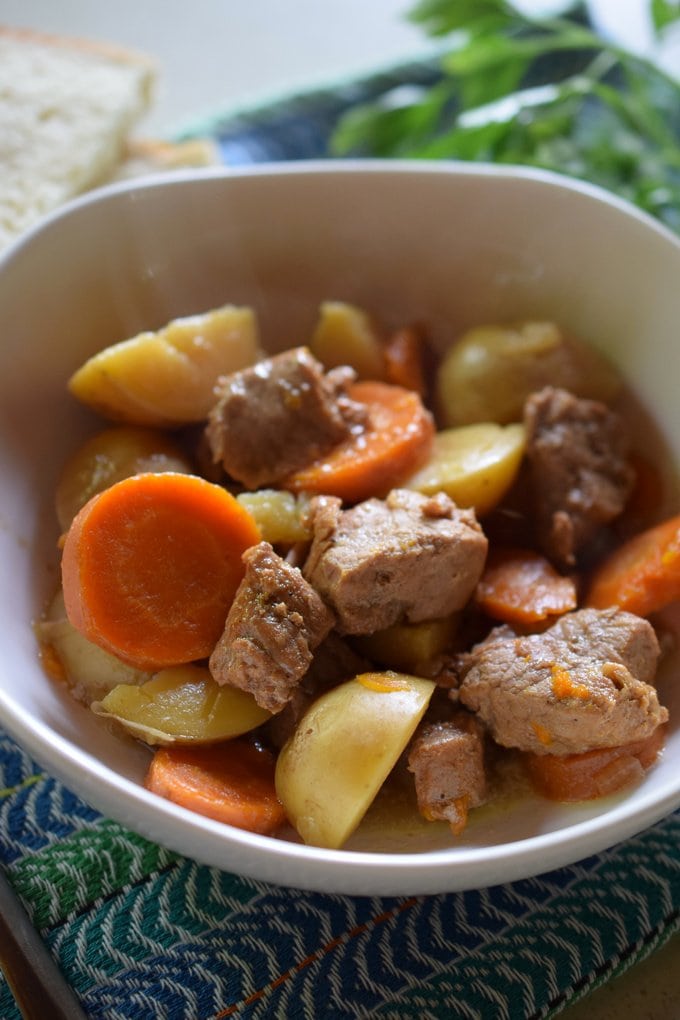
[450,245]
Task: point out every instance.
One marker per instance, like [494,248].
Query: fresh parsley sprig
[547,92]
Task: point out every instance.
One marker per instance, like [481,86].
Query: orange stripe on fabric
[359,929]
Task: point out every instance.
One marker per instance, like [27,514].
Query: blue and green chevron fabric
[141,933]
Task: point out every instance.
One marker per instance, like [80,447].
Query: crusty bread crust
[147,155]
[94,47]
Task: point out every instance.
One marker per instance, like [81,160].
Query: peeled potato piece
[89,671]
[475,465]
[182,705]
[413,647]
[346,335]
[343,749]
[167,378]
[108,457]
[488,374]
[279,515]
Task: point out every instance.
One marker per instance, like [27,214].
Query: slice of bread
[67,107]
[145,156]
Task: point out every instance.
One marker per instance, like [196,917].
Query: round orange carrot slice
[642,575]
[150,567]
[231,782]
[395,442]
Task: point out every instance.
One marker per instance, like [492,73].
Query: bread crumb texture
[66,109]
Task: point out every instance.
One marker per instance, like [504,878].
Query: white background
[214,54]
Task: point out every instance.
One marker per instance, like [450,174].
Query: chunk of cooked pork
[447,760]
[584,683]
[580,474]
[278,416]
[275,622]
[408,556]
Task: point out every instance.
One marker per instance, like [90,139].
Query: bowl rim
[343,167]
[351,872]
[294,864]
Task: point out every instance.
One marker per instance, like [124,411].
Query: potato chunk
[167,378]
[108,457]
[346,335]
[182,705]
[279,515]
[474,465]
[90,672]
[410,647]
[346,744]
[488,374]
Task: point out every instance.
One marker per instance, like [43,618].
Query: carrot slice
[231,782]
[150,567]
[595,773]
[643,574]
[521,586]
[392,446]
[404,360]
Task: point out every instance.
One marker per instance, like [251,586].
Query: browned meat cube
[580,475]
[279,416]
[274,624]
[447,760]
[409,556]
[584,683]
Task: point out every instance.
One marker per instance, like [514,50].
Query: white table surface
[218,54]
[215,54]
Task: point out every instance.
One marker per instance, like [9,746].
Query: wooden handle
[37,984]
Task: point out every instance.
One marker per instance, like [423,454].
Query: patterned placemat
[142,933]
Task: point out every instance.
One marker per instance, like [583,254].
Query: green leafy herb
[664,13]
[547,92]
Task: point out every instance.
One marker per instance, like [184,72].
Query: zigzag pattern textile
[141,933]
